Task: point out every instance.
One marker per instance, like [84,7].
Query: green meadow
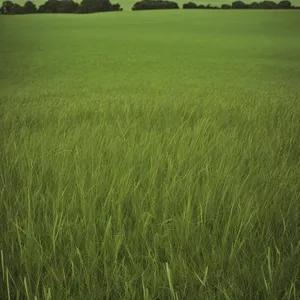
[150,155]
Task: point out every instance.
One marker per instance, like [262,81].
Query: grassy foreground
[150,155]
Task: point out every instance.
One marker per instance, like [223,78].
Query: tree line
[60,7]
[92,6]
[162,4]
[241,5]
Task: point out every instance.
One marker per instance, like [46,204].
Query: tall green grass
[150,156]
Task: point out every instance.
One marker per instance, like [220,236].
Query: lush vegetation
[241,5]
[91,6]
[150,156]
[59,6]
[154,4]
[128,4]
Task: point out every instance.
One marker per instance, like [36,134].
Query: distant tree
[92,6]
[190,5]
[7,8]
[18,9]
[67,7]
[201,6]
[239,5]
[10,8]
[268,5]
[50,6]
[154,4]
[211,7]
[41,9]
[226,6]
[116,7]
[30,8]
[284,4]
[254,5]
[263,5]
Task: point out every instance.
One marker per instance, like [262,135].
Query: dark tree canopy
[211,7]
[30,8]
[94,6]
[60,6]
[268,5]
[154,4]
[91,6]
[285,4]
[190,5]
[67,7]
[51,6]
[239,5]
[7,7]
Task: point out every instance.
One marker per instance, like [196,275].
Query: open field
[150,155]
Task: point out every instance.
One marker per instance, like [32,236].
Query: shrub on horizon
[211,7]
[154,4]
[6,8]
[30,8]
[93,6]
[254,5]
[59,6]
[239,5]
[10,8]
[50,6]
[268,5]
[86,6]
[67,7]
[18,9]
[285,4]
[190,5]
[116,7]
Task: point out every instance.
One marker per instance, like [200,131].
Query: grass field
[150,155]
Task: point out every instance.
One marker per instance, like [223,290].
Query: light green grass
[150,155]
